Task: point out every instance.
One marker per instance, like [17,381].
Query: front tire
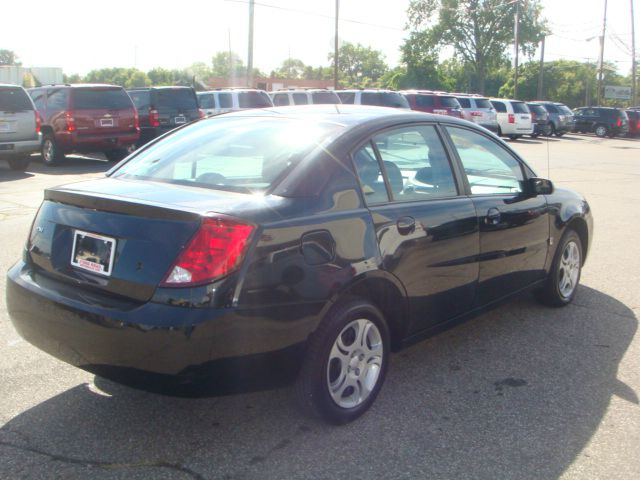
[345,364]
[564,277]
[19,164]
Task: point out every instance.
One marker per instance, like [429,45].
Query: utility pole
[250,54]
[541,74]
[516,42]
[335,53]
[634,68]
[601,62]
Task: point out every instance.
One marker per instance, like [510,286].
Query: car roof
[11,85]
[79,85]
[159,87]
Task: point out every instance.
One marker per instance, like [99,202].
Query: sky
[83,35]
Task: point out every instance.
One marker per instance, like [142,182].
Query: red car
[433,102]
[85,118]
[634,123]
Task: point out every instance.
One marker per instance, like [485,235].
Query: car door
[427,232]
[514,226]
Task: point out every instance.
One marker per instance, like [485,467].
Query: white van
[306,96]
[213,102]
[514,117]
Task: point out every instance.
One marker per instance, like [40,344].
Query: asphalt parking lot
[523,392]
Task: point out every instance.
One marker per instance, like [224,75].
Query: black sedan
[296,243]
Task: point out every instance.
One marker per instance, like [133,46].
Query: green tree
[162,76]
[359,66]
[73,78]
[480,31]
[291,68]
[137,79]
[224,65]
[200,70]
[9,57]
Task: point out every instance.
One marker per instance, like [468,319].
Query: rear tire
[514,137]
[19,164]
[51,154]
[601,131]
[116,154]
[345,363]
[564,277]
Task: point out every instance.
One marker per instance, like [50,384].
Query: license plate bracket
[92,252]
[179,120]
[106,122]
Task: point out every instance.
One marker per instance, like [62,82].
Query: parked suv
[603,121]
[310,96]
[560,118]
[380,98]
[514,118]
[19,127]
[213,102]
[540,119]
[162,109]
[85,118]
[432,102]
[478,110]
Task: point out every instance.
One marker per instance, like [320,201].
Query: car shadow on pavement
[7,175]
[515,393]
[71,166]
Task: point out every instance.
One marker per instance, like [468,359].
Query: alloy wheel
[569,269]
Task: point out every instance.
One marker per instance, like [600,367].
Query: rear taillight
[619,122]
[638,125]
[476,114]
[201,113]
[71,122]
[38,121]
[136,120]
[512,118]
[215,250]
[154,118]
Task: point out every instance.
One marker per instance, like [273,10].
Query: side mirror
[540,186]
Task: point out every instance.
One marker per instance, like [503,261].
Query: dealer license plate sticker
[92,252]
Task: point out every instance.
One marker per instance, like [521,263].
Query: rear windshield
[140,99]
[424,100]
[482,103]
[243,154]
[520,107]
[449,102]
[325,97]
[206,101]
[384,99]
[178,98]
[254,100]
[14,100]
[537,109]
[464,102]
[100,99]
[564,110]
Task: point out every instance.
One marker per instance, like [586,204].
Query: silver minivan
[478,109]
[214,102]
[19,127]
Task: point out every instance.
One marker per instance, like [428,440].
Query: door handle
[493,217]
[406,225]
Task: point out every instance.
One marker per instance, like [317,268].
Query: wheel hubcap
[355,363]
[569,269]
[48,150]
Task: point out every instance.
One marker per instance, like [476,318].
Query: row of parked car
[61,119]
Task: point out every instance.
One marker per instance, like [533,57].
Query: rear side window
[100,99]
[464,102]
[499,106]
[449,102]
[225,100]
[564,110]
[178,98]
[57,99]
[482,103]
[140,99]
[424,100]
[14,100]
[537,109]
[281,99]
[254,100]
[551,108]
[347,97]
[300,98]
[206,101]
[324,97]
[520,107]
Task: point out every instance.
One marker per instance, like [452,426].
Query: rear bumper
[20,148]
[72,142]
[150,342]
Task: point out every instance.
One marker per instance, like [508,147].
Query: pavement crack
[178,467]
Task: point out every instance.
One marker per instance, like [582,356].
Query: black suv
[603,121]
[163,108]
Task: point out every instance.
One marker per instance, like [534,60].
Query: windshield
[100,99]
[244,154]
[14,100]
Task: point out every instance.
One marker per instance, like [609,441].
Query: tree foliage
[359,66]
[480,31]
[9,57]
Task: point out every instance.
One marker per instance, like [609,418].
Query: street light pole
[250,53]
[634,68]
[601,62]
[516,41]
[335,52]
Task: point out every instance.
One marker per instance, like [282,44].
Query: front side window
[490,169]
